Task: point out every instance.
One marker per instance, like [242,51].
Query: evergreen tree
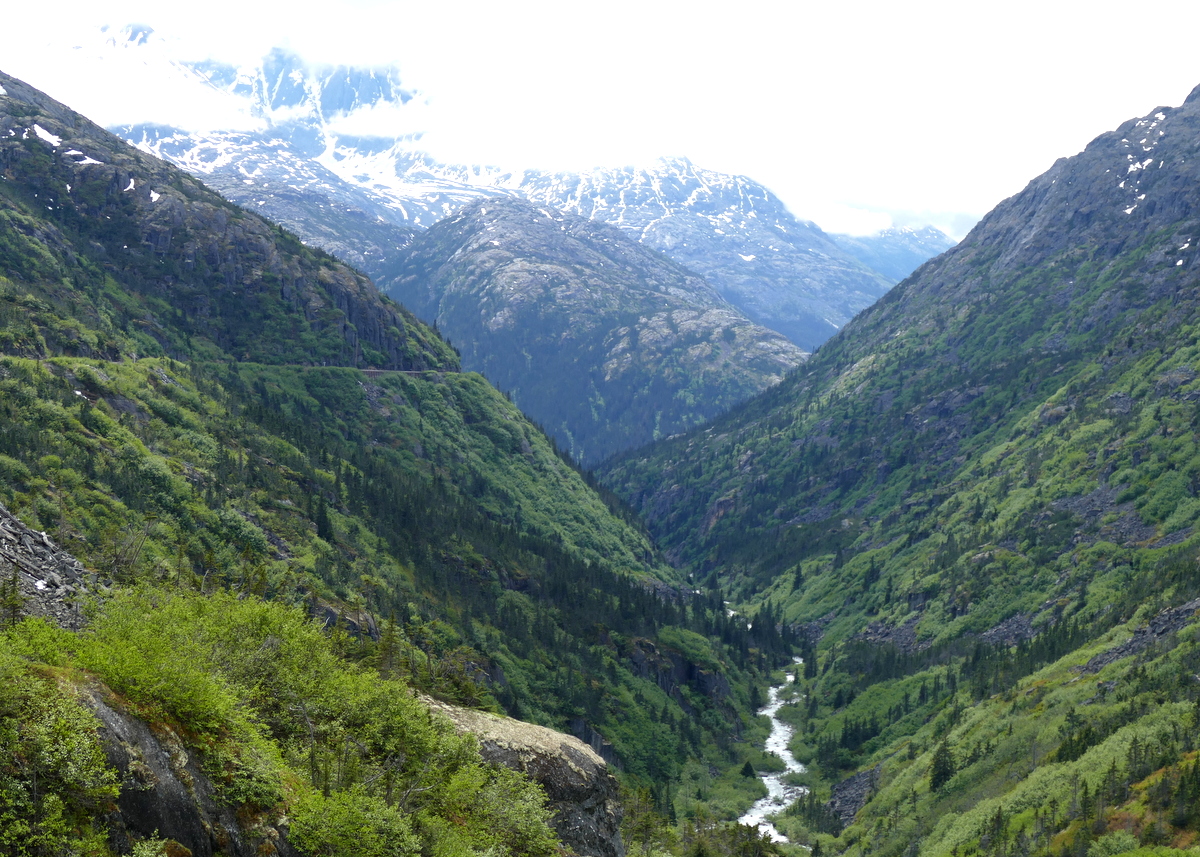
[942,767]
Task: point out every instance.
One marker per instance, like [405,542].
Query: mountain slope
[606,344]
[226,277]
[193,400]
[992,471]
[1055,291]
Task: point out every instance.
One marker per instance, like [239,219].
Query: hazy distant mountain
[896,252]
[784,273]
[306,162]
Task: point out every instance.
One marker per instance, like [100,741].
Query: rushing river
[779,793]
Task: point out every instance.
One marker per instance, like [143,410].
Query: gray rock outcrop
[1161,626]
[49,581]
[579,787]
[165,795]
[852,794]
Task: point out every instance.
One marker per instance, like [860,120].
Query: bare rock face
[165,795]
[852,794]
[48,580]
[1159,628]
[581,790]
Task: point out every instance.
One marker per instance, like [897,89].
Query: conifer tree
[942,768]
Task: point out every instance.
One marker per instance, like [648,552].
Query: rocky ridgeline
[50,583]
[1167,622]
[184,245]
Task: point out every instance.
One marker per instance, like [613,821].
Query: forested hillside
[984,483]
[194,402]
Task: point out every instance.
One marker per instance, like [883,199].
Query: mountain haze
[898,251]
[315,159]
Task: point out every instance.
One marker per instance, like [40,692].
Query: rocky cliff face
[165,795]
[607,344]
[581,790]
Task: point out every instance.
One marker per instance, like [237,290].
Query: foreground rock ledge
[580,789]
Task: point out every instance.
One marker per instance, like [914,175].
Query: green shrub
[1113,844]
[54,778]
[351,824]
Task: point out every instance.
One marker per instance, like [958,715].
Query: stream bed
[779,793]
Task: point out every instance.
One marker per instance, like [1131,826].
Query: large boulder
[579,786]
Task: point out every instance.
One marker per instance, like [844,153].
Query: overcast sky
[858,114]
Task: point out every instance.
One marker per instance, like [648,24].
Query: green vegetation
[54,780]
[1054,761]
[281,724]
[200,406]
[986,479]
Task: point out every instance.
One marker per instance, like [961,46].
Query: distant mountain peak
[345,140]
[604,341]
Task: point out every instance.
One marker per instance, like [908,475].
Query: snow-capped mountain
[782,272]
[314,158]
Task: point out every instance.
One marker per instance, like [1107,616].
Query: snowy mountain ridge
[313,156]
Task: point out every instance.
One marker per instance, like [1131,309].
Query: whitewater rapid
[779,794]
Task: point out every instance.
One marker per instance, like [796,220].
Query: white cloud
[847,110]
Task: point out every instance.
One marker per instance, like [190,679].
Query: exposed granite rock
[50,582]
[850,795]
[672,671]
[903,637]
[580,789]
[165,795]
[812,632]
[1015,629]
[1167,622]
